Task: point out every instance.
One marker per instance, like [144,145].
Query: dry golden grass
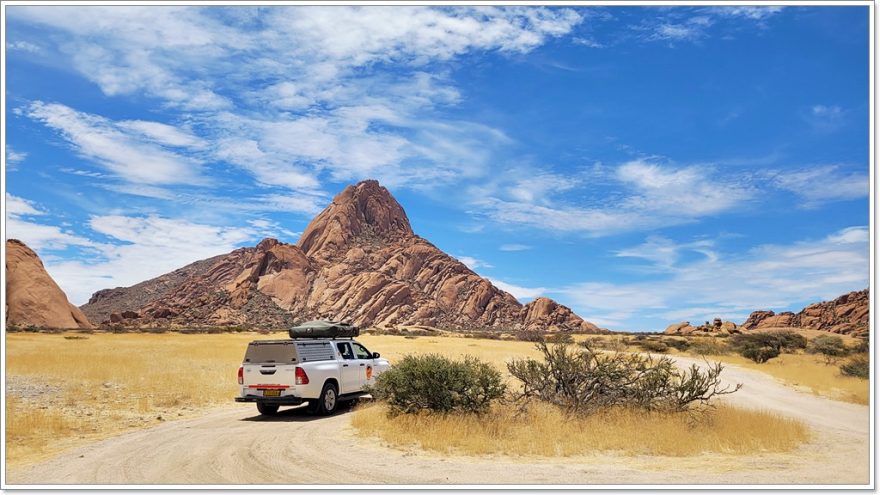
[175,375]
[146,376]
[803,371]
[546,431]
[810,373]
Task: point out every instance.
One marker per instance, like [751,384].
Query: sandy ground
[234,445]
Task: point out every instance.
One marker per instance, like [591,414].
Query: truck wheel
[267,409]
[329,399]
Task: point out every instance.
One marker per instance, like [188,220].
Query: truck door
[351,372]
[365,364]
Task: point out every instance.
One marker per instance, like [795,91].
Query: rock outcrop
[32,297]
[848,314]
[358,260]
[544,313]
[716,327]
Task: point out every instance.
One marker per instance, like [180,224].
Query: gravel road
[234,445]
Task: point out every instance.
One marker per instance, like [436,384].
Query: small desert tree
[584,381]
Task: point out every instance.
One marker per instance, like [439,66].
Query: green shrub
[438,384]
[858,366]
[584,381]
[861,347]
[560,338]
[763,346]
[653,346]
[616,343]
[527,335]
[830,346]
[759,353]
[678,344]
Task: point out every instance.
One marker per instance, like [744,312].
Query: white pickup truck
[319,371]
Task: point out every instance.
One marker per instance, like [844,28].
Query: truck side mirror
[375,355]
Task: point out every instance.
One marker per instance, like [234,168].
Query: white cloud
[772,276]
[140,248]
[693,25]
[36,235]
[650,195]
[514,247]
[822,184]
[122,153]
[16,206]
[13,158]
[757,13]
[23,46]
[322,108]
[473,263]
[665,253]
[523,294]
[826,118]
[163,134]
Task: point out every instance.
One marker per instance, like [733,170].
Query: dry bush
[760,347]
[709,347]
[435,383]
[681,345]
[527,335]
[584,381]
[829,346]
[545,430]
[613,343]
[560,338]
[859,367]
[651,345]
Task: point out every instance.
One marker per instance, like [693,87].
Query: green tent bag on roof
[324,329]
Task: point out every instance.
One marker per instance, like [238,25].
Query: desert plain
[120,408]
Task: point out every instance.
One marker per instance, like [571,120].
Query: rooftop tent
[324,329]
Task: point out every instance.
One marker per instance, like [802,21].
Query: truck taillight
[241,375]
[301,377]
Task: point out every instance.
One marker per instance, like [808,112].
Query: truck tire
[267,409]
[329,400]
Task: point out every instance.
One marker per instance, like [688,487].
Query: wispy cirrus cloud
[823,184]
[825,118]
[729,285]
[13,157]
[692,25]
[124,149]
[648,195]
[321,108]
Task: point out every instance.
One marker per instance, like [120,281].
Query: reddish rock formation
[544,313]
[848,314]
[717,327]
[358,260]
[32,297]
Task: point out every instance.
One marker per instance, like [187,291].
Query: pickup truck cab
[318,371]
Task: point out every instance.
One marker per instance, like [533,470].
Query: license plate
[272,393]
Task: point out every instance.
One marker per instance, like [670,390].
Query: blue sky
[643,165]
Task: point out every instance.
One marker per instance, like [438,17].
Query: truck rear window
[270,352]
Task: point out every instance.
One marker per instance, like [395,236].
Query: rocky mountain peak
[363,210]
[32,296]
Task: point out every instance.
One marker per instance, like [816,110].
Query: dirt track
[235,445]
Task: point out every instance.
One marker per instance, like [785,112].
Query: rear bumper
[287,400]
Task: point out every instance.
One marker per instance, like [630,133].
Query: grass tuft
[544,430]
